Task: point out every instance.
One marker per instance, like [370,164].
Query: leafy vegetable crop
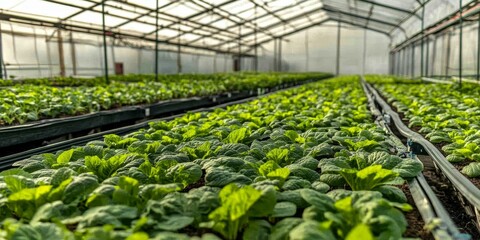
[35,100]
[445,114]
[306,163]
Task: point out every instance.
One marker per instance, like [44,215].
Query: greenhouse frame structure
[239,28]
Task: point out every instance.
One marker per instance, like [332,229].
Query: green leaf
[26,201]
[236,136]
[318,200]
[278,155]
[472,169]
[311,230]
[368,178]
[174,222]
[284,209]
[65,156]
[16,183]
[257,230]
[281,230]
[361,231]
[79,188]
[235,204]
[220,178]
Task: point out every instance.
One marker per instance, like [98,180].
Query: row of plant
[448,115]
[29,102]
[95,81]
[306,163]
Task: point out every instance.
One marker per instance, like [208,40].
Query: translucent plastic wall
[315,49]
[441,54]
[441,50]
[34,52]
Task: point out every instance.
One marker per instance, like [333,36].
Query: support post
[156,41]
[478,49]
[306,51]
[255,41]
[434,55]
[1,54]
[73,53]
[61,57]
[337,66]
[447,59]
[240,47]
[274,54]
[179,59]
[280,54]
[105,56]
[422,42]
[364,50]
[412,65]
[460,45]
[427,56]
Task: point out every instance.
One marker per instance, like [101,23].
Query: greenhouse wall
[314,50]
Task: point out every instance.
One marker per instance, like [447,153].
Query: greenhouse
[240,119]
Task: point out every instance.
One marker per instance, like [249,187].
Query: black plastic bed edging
[219,102]
[35,132]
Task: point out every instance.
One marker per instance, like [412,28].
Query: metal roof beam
[251,20]
[271,13]
[98,31]
[302,15]
[188,19]
[82,10]
[320,23]
[126,18]
[143,15]
[387,7]
[334,10]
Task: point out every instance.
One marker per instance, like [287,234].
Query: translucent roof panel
[216,25]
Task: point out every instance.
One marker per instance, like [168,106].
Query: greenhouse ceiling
[217,25]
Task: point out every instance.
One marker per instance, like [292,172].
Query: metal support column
[73,52]
[307,56]
[412,64]
[179,59]
[447,58]
[179,55]
[404,62]
[156,41]
[61,57]
[280,54]
[434,55]
[255,40]
[460,45]
[422,42]
[274,54]
[427,56]
[364,51]
[105,56]
[397,68]
[478,49]
[240,47]
[1,54]
[337,66]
